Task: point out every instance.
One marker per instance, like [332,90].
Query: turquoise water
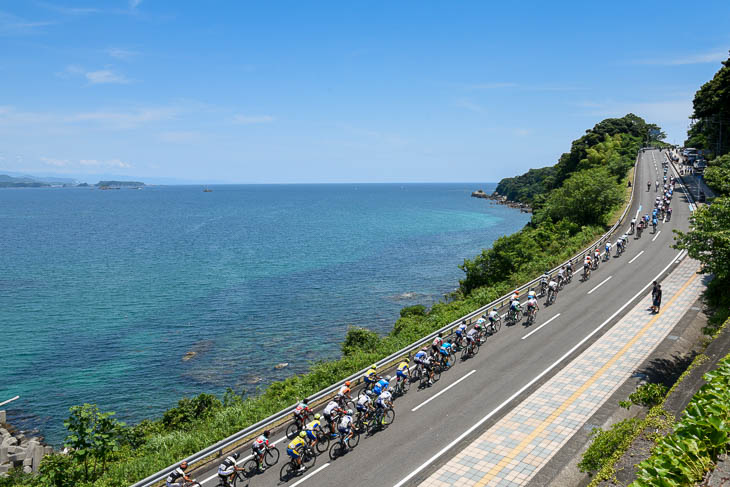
[102,293]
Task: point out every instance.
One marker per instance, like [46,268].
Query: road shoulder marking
[636,256]
[440,392]
[655,236]
[601,284]
[536,329]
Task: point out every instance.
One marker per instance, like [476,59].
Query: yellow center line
[509,458]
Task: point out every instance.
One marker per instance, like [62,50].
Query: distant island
[119,184]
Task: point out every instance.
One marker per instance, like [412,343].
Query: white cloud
[119,53]
[251,119]
[113,163]
[105,76]
[54,162]
[698,58]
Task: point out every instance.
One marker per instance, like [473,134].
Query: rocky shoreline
[502,200]
[18,450]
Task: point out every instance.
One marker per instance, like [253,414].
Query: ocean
[104,293]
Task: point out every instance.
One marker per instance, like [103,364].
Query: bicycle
[459,341]
[470,350]
[402,384]
[232,480]
[494,326]
[586,273]
[260,463]
[344,445]
[531,316]
[426,376]
[381,419]
[297,425]
[551,296]
[345,403]
[513,316]
[291,469]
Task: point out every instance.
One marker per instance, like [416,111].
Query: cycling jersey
[553,285]
[175,476]
[515,305]
[402,370]
[437,342]
[383,399]
[311,427]
[471,335]
[345,423]
[532,303]
[419,356]
[329,409]
[370,376]
[381,386]
[363,403]
[260,442]
[493,315]
[445,349]
[227,467]
[344,391]
[295,446]
[301,409]
[461,329]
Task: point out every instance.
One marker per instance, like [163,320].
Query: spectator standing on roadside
[653,294]
[657,301]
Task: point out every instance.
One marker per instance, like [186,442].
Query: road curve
[512,363]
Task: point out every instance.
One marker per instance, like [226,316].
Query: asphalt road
[474,394]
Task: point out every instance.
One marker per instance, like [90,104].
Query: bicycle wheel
[272,456]
[323,443]
[240,477]
[405,384]
[251,468]
[354,440]
[424,380]
[475,348]
[292,430]
[436,373]
[497,325]
[465,353]
[388,417]
[288,470]
[337,450]
[452,357]
[309,458]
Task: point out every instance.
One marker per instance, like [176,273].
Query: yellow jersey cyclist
[371,376]
[295,448]
[402,371]
[228,469]
[312,428]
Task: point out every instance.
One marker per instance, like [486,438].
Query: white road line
[567,354]
[601,284]
[655,236]
[536,329]
[441,392]
[311,474]
[636,257]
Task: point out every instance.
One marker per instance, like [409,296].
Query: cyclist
[561,276]
[633,224]
[544,282]
[261,443]
[302,411]
[344,392]
[382,385]
[669,214]
[365,402]
[608,249]
[402,371]
[515,306]
[228,469]
[587,264]
[532,304]
[312,428]
[494,315]
[345,424]
[331,408]
[654,223]
[461,330]
[178,477]
[436,344]
[444,351]
[421,355]
[371,376]
[295,448]
[619,245]
[471,337]
[553,287]
[384,401]
[569,269]
[656,185]
[515,296]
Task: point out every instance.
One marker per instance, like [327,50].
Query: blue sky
[277,92]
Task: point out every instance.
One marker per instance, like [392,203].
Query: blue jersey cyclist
[445,350]
[382,385]
[461,329]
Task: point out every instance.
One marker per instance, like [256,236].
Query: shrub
[606,442]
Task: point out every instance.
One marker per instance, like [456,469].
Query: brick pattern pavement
[512,451]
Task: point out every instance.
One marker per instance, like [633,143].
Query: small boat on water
[207,190]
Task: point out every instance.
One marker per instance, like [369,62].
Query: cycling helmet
[463,322]
[302,434]
[235,456]
[387,377]
[495,309]
[267,433]
[349,412]
[317,416]
[373,366]
[369,393]
[347,383]
[184,465]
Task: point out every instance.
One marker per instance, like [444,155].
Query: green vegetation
[602,158]
[647,395]
[699,437]
[711,130]
[604,443]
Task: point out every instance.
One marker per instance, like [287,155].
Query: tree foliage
[709,239]
[93,438]
[711,110]
[717,174]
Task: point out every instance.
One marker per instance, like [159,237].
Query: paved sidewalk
[512,451]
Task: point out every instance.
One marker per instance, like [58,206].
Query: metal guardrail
[282,416]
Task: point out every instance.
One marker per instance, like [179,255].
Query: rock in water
[189,355]
[281,365]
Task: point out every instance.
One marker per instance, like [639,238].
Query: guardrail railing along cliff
[283,416]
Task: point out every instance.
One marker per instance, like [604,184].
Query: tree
[709,239]
[717,175]
[93,438]
[587,197]
[711,109]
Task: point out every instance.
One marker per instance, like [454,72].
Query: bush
[418,309]
[189,410]
[647,395]
[359,340]
[606,442]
